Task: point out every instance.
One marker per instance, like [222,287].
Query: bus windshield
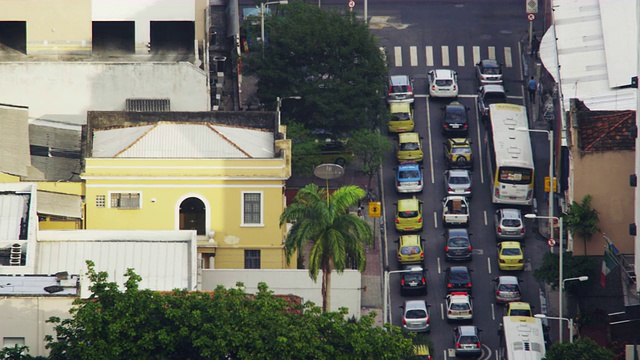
[516,176]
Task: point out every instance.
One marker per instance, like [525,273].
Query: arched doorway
[192,215]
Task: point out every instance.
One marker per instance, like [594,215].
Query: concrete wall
[345,288]
[605,176]
[24,317]
[65,91]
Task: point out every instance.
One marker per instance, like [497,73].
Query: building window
[100,200]
[10,342]
[252,208]
[125,200]
[252,259]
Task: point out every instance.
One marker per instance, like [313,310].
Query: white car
[443,83]
[459,306]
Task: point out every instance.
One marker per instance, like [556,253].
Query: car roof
[400,107]
[455,104]
[493,88]
[489,63]
[444,73]
[468,330]
[413,268]
[399,80]
[506,279]
[409,166]
[409,240]
[458,233]
[415,304]
[458,172]
[511,213]
[457,197]
[459,297]
[510,244]
[460,141]
[408,137]
[519,305]
[408,204]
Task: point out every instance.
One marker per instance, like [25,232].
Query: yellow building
[224,181]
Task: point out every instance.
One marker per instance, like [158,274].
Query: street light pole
[569,321]
[262,7]
[385,301]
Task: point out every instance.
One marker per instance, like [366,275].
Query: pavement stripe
[429,54]
[397,52]
[460,55]
[492,52]
[445,55]
[413,53]
[508,59]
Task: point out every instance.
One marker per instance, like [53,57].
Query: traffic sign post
[551,243]
[531,17]
[352,4]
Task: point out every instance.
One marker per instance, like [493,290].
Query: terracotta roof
[605,130]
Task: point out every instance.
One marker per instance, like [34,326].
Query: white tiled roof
[183,140]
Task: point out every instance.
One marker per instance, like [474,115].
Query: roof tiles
[605,130]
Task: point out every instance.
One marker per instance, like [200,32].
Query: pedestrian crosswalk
[447,56]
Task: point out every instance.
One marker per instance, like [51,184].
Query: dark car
[458,278]
[457,245]
[455,120]
[414,281]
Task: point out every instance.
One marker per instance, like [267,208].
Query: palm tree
[582,220]
[337,235]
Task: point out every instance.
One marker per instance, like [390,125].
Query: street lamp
[385,305]
[579,278]
[279,102]
[262,6]
[569,321]
[561,265]
[551,193]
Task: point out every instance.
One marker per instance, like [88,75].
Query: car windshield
[461,150]
[399,89]
[400,116]
[458,180]
[460,306]
[412,276]
[409,174]
[468,340]
[511,222]
[491,71]
[409,146]
[495,97]
[511,252]
[444,82]
[455,114]
[410,250]
[516,176]
[520,312]
[416,314]
[407,214]
[508,287]
[458,242]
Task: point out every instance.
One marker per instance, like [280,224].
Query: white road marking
[460,55]
[435,219]
[485,217]
[439,268]
[413,53]
[492,52]
[397,53]
[493,312]
[442,311]
[429,55]
[489,264]
[508,59]
[476,54]
[445,55]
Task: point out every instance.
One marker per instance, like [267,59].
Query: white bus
[510,157]
[522,338]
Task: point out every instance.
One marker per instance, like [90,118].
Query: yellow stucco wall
[52,25]
[605,176]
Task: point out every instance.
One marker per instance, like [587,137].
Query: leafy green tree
[574,266]
[17,353]
[328,58]
[223,324]
[582,220]
[369,147]
[582,349]
[338,237]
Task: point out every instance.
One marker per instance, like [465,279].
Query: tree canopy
[583,349]
[573,266]
[223,324]
[328,58]
[582,220]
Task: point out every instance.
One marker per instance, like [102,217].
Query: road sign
[374,209]
[352,4]
[546,184]
[531,17]
[532,6]
[551,242]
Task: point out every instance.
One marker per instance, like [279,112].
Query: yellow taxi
[518,308]
[409,147]
[401,117]
[510,255]
[410,250]
[409,215]
[421,352]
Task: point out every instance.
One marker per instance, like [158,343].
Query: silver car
[466,340]
[507,289]
[415,316]
[509,224]
[458,182]
[400,89]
